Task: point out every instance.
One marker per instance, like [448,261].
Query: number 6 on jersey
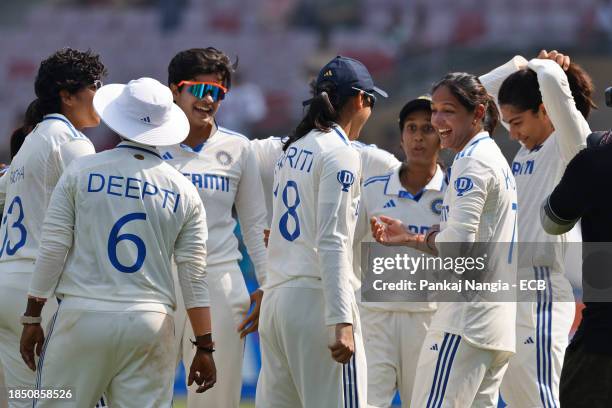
[114,239]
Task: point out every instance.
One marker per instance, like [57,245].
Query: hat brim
[171,132]
[380,92]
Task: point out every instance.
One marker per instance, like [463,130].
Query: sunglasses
[370,96]
[201,89]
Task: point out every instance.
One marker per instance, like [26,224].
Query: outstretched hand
[391,232]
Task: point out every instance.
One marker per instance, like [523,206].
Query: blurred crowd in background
[281,44]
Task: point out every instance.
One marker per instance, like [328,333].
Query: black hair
[470,93]
[17,139]
[67,69]
[19,134]
[188,64]
[323,111]
[522,90]
[407,110]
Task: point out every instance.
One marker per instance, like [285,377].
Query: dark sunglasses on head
[370,96]
[201,89]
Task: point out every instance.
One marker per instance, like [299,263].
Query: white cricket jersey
[374,161]
[538,171]
[316,197]
[33,174]
[268,151]
[224,171]
[480,206]
[385,195]
[123,214]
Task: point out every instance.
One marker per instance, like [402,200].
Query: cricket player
[412,193]
[222,166]
[309,310]
[114,222]
[467,347]
[544,104]
[65,85]
[267,151]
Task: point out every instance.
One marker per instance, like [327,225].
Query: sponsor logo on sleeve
[463,185]
[346,178]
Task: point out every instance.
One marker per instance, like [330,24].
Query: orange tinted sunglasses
[201,89]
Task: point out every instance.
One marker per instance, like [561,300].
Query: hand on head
[561,59]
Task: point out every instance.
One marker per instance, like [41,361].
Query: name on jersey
[298,159]
[209,181]
[519,168]
[16,175]
[134,188]
[418,229]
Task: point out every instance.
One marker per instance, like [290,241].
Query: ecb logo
[463,185]
[346,178]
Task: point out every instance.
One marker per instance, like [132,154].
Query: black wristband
[204,343]
[205,349]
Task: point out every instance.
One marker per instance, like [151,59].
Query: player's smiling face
[453,122]
[200,112]
[420,141]
[528,127]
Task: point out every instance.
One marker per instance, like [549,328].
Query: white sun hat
[142,111]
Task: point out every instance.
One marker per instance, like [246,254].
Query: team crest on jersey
[463,185]
[346,178]
[224,158]
[436,206]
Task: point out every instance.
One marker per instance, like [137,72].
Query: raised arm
[571,127]
[493,80]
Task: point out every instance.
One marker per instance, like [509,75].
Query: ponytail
[33,116]
[491,119]
[581,85]
[323,111]
[17,139]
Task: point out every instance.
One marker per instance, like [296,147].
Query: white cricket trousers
[542,335]
[127,355]
[17,375]
[229,304]
[297,367]
[393,341]
[453,373]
